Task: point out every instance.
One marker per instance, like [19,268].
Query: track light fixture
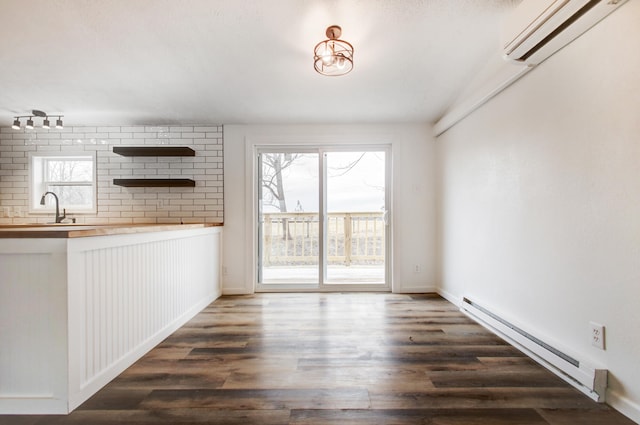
[46,124]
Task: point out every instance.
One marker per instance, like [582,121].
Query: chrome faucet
[59,217]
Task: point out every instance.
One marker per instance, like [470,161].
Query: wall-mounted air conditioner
[532,32]
[538,28]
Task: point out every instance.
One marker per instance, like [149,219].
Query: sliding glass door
[288,218]
[322,220]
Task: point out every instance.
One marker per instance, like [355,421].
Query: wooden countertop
[23,231]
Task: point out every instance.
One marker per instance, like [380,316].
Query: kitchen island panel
[76,312]
[32,329]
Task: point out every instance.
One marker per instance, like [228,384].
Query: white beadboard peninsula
[79,304]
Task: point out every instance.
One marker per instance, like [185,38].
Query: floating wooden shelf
[154,182]
[154,151]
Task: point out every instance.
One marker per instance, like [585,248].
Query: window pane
[356,233]
[289,218]
[69,170]
[70,176]
[77,196]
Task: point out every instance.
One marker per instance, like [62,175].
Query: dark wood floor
[334,359]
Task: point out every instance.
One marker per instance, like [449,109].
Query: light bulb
[16,124]
[341,62]
[29,125]
[59,124]
[46,124]
[328,56]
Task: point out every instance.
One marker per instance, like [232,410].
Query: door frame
[320,147]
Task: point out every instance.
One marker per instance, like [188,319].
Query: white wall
[413,199]
[116,204]
[539,215]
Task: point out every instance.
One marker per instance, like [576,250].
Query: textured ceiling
[128,62]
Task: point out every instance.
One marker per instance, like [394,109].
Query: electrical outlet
[597,335]
[417,268]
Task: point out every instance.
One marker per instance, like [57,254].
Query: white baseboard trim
[415,290]
[236,291]
[453,299]
[624,405]
[35,405]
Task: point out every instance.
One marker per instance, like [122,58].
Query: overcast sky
[360,188]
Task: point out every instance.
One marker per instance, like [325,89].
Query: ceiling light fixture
[46,124]
[333,57]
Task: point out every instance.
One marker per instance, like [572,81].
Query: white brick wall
[202,203]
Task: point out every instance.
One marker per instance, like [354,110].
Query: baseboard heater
[591,381]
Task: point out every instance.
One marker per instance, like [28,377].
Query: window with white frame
[71,176]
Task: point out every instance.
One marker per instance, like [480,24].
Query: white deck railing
[352,238]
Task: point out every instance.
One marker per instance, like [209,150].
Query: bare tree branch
[348,167]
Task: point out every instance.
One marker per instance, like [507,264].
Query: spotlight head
[16,124]
[29,125]
[46,124]
[59,125]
